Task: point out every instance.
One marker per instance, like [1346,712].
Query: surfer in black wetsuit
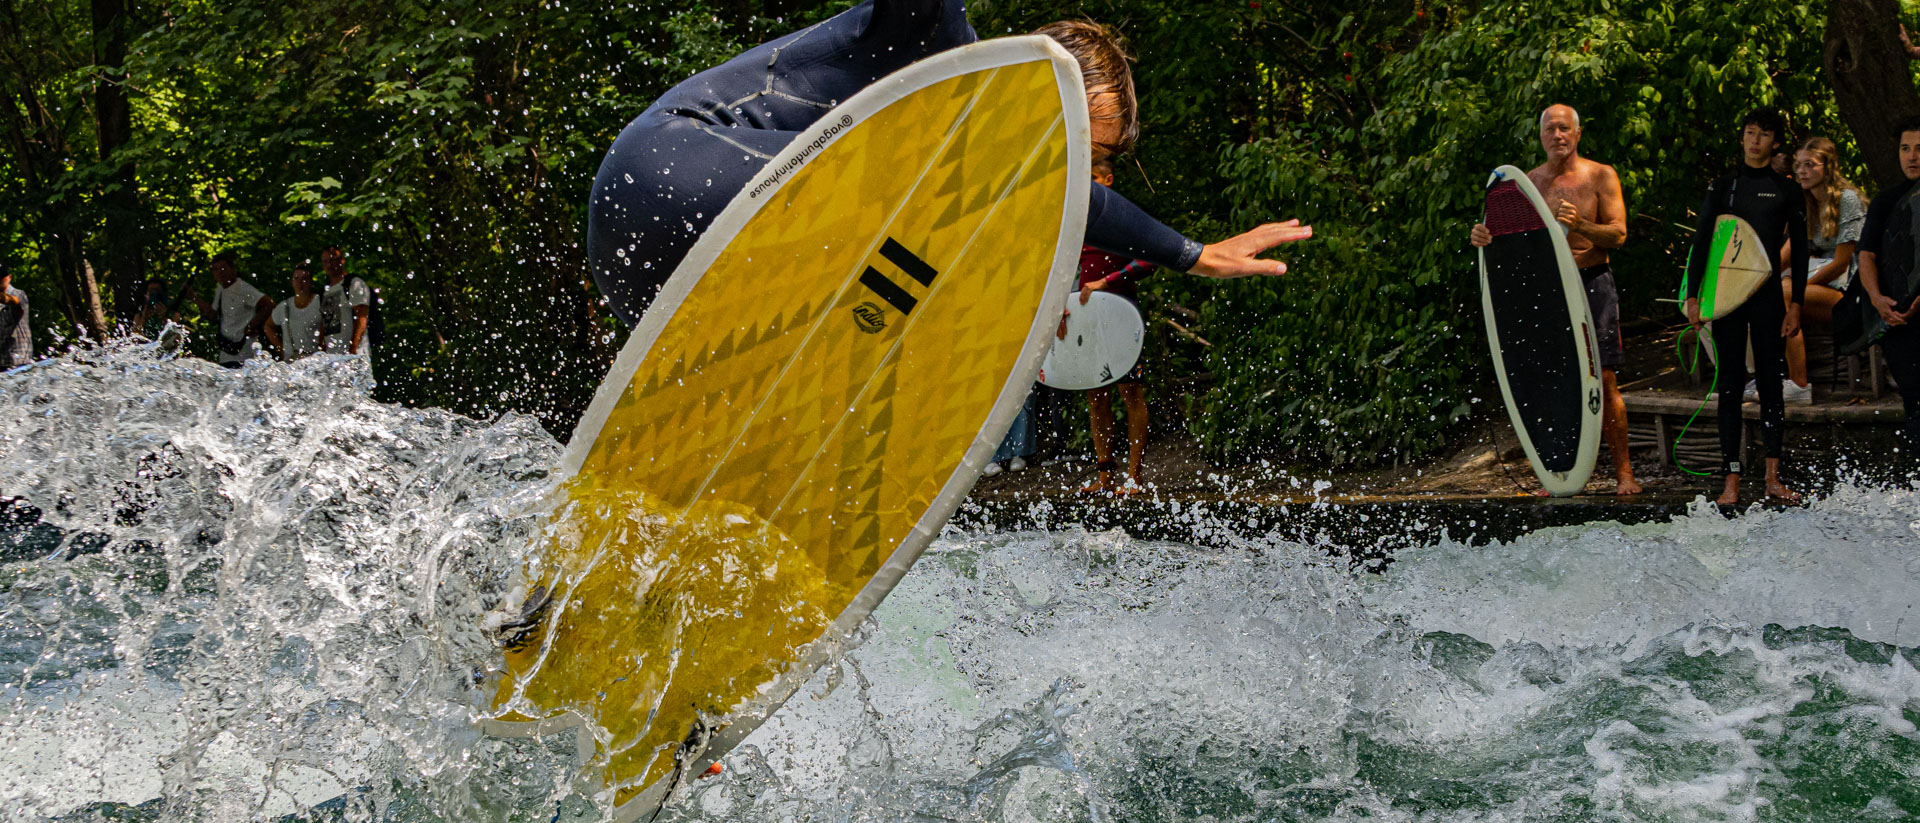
[1773,204]
[682,160]
[1901,343]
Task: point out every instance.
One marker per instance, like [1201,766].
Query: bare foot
[1731,495]
[1129,488]
[1627,486]
[1102,483]
[1779,493]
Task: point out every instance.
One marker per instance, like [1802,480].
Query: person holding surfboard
[1773,205]
[1888,272]
[1588,203]
[1103,271]
[679,163]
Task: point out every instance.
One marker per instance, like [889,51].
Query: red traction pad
[1509,211]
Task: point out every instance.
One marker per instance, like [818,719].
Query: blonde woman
[1835,214]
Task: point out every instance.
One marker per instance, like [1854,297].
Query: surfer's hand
[1790,325]
[1062,333]
[1481,235]
[1238,256]
[1087,290]
[1692,308]
[1884,305]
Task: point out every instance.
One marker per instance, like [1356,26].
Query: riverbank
[1481,489]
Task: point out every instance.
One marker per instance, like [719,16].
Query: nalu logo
[870,317]
[887,289]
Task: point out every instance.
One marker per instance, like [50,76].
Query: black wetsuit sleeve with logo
[1772,203]
[678,164]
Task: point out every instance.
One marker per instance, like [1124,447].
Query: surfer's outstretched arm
[1116,225]
[1239,255]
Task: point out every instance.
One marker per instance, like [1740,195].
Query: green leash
[1693,369]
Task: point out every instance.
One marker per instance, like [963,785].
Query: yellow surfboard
[808,399]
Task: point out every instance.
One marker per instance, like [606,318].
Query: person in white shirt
[239,311]
[347,303]
[298,327]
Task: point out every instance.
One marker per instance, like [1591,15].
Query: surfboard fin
[690,751]
[515,634]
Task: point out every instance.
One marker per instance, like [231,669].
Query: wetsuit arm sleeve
[1875,225]
[905,21]
[1797,235]
[1116,225]
[1702,241]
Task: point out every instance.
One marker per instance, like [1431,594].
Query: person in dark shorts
[1586,200]
[673,168]
[1113,274]
[1775,205]
[1901,343]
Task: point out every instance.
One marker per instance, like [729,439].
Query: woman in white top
[299,327]
[1835,213]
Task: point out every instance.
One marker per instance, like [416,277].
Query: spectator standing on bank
[348,305]
[1901,343]
[1116,275]
[1775,206]
[15,329]
[158,309]
[239,312]
[298,327]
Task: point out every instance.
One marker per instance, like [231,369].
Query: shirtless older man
[1586,199]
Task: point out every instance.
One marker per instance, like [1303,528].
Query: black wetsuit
[1775,206]
[1901,344]
[683,159]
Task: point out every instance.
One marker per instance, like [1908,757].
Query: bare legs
[1817,308]
[1613,426]
[1100,402]
[1776,491]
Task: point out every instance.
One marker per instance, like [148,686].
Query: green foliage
[1371,348]
[449,147]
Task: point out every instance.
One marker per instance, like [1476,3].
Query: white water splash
[270,593]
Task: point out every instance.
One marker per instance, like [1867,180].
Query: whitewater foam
[268,594]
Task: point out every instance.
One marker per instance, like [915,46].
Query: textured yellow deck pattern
[790,425]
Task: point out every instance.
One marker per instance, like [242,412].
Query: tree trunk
[79,291]
[1872,79]
[113,116]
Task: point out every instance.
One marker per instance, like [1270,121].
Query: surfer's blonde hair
[1103,67]
[1825,222]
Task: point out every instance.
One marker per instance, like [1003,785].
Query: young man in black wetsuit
[1773,204]
[682,160]
[1901,343]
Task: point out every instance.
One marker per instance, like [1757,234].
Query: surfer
[1773,204]
[673,168]
[1586,200]
[1901,343]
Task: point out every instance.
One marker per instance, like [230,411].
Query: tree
[1871,78]
[43,126]
[113,122]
